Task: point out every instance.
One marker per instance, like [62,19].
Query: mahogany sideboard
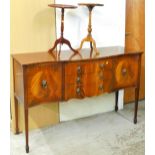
[39,78]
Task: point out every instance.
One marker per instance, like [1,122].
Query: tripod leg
[91,49]
[95,49]
[82,42]
[81,45]
[50,51]
[59,51]
[65,41]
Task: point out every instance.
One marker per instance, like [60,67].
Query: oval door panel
[41,85]
[126,71]
[44,83]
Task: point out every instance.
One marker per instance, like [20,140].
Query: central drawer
[85,79]
[74,68]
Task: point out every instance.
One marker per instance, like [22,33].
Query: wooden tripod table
[89,37]
[62,40]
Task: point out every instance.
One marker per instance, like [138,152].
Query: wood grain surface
[135,40]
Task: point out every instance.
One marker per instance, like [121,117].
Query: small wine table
[89,37]
[62,40]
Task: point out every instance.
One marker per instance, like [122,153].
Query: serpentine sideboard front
[38,78]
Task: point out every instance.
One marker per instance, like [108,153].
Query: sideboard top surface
[44,57]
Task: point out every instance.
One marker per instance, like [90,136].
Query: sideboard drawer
[125,72]
[105,64]
[74,68]
[88,72]
[80,91]
[87,89]
[81,79]
[44,83]
[86,79]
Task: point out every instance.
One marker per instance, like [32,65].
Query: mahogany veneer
[38,78]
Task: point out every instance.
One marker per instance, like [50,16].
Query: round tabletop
[62,6]
[91,4]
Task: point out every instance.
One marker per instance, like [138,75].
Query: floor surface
[104,134]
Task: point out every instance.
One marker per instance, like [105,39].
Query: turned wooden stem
[90,20]
[62,22]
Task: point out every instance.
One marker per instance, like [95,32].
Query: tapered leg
[116,100]
[136,104]
[16,116]
[26,130]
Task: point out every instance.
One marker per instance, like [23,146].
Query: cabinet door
[125,72]
[43,83]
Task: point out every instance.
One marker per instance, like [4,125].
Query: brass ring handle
[101,75]
[78,90]
[101,87]
[44,84]
[79,69]
[78,80]
[107,62]
[124,71]
[101,66]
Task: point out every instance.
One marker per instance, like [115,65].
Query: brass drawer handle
[79,70]
[78,80]
[124,71]
[101,87]
[78,90]
[101,75]
[44,84]
[101,66]
[107,62]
